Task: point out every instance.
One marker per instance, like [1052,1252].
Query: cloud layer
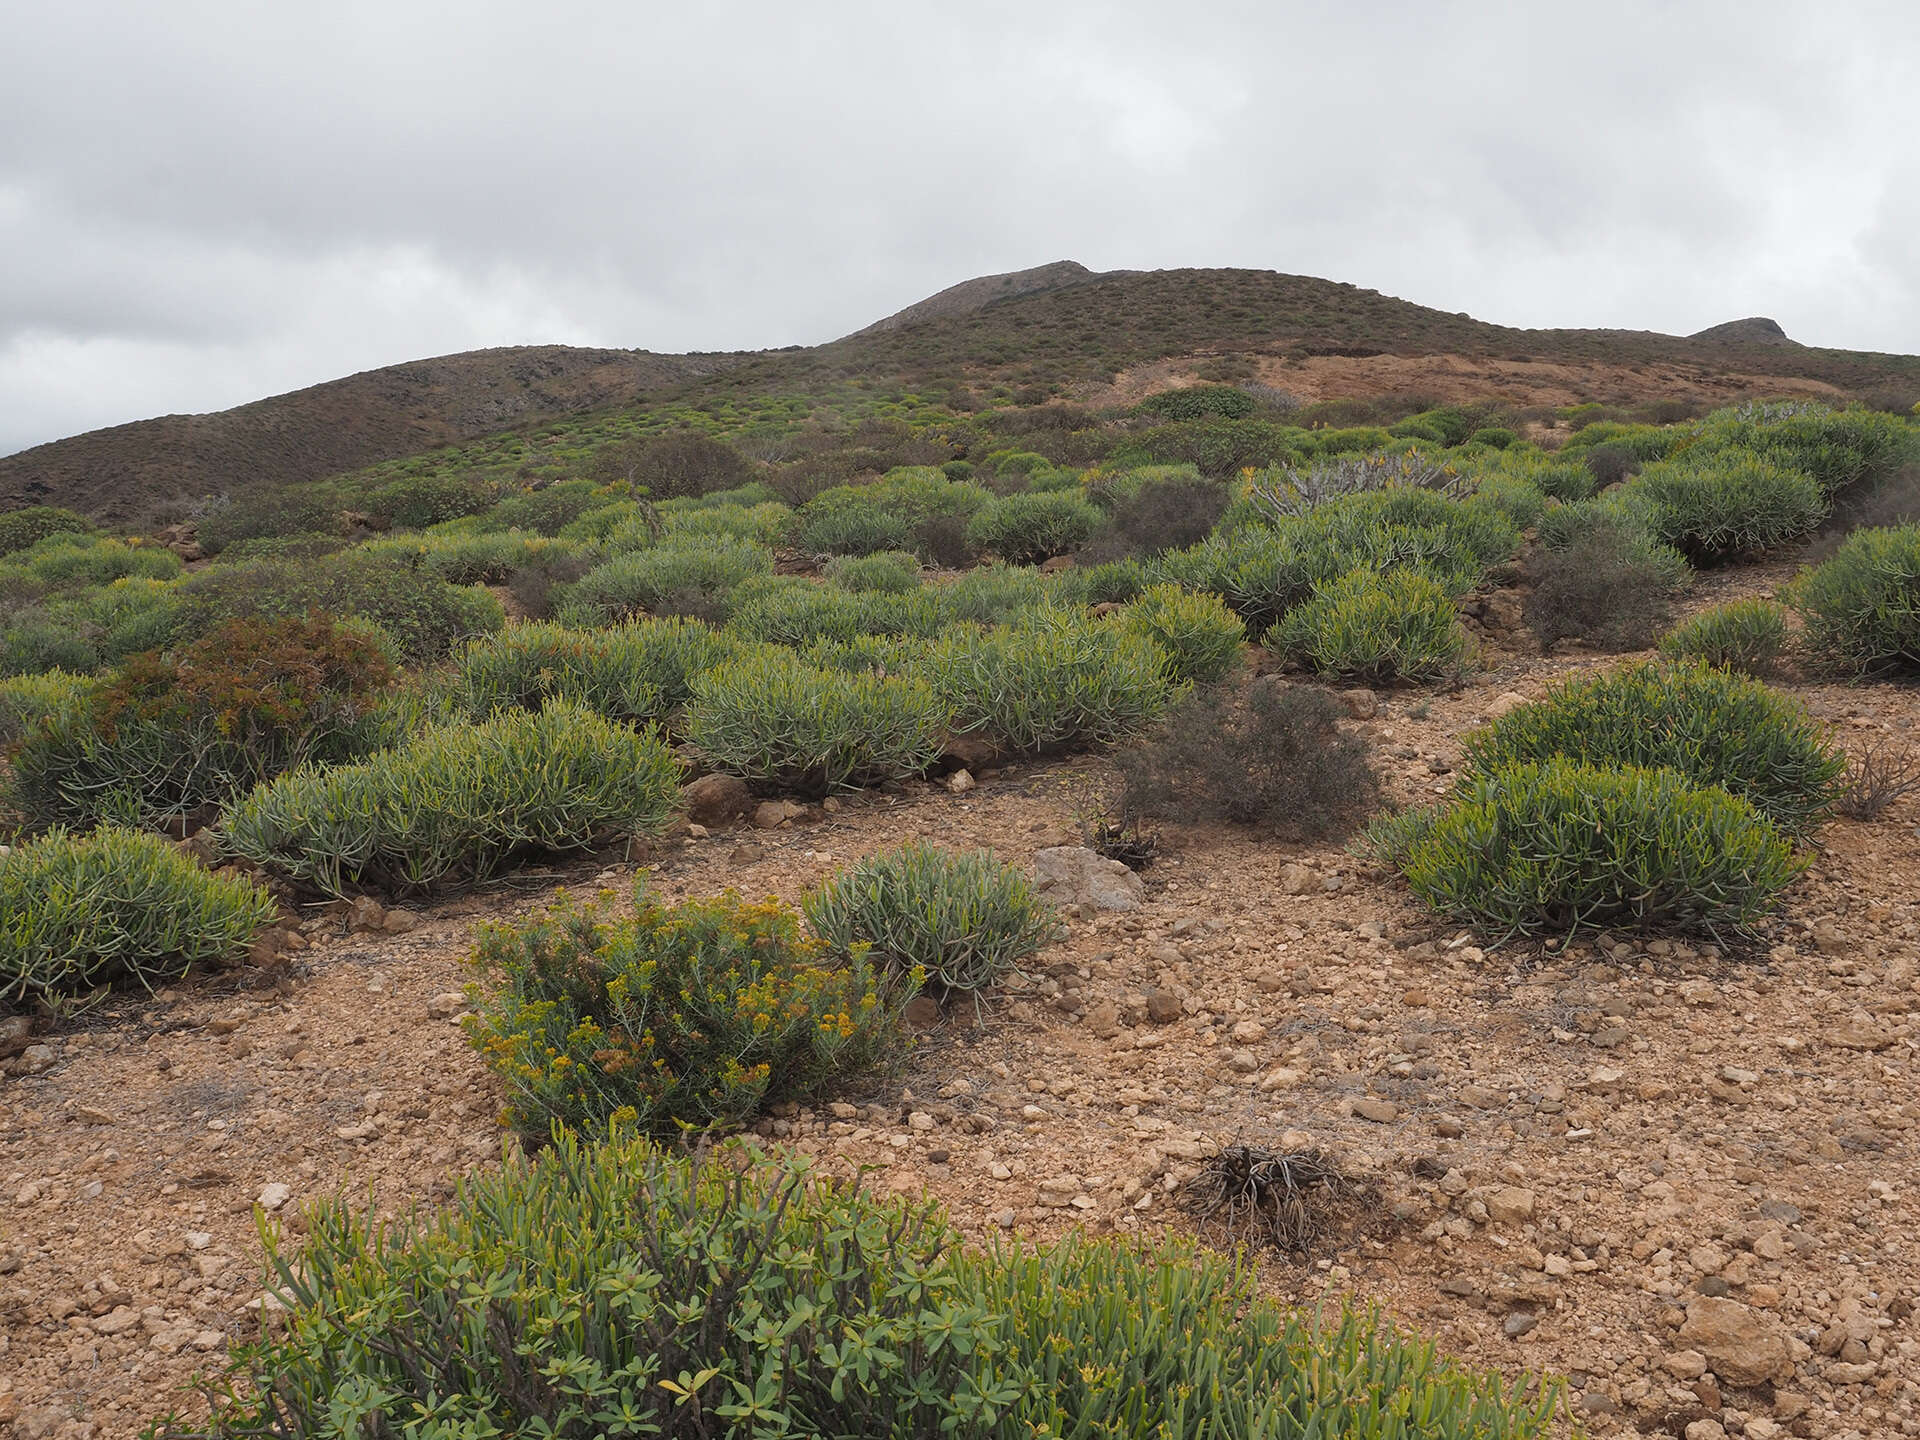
[204,203]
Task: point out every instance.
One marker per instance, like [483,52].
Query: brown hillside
[124,472]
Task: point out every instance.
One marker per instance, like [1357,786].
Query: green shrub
[1562,846]
[1643,443]
[33,523]
[770,717]
[1114,582]
[1728,505]
[893,513]
[81,911]
[1273,758]
[630,584]
[1196,401]
[36,644]
[1711,727]
[28,700]
[681,1017]
[550,510]
[173,736]
[63,560]
[1200,637]
[1027,528]
[417,501]
[1743,635]
[425,616]
[850,529]
[1838,448]
[1374,628]
[283,547]
[1000,593]
[1052,679]
[1861,606]
[680,462]
[957,920]
[768,524]
[735,1292]
[797,613]
[270,513]
[1498,436]
[895,571]
[640,670]
[459,803]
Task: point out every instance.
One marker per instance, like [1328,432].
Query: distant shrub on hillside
[1198,401]
[680,462]
[417,501]
[550,510]
[24,527]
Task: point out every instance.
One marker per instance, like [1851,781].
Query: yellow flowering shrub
[680,1017]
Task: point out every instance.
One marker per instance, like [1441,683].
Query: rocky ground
[1680,1178]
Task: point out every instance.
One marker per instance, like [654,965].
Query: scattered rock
[1074,875]
[716,799]
[1743,1346]
[1380,1112]
[960,782]
[1164,1007]
[772,814]
[400,922]
[1361,704]
[1520,1322]
[446,1005]
[274,1195]
[16,1033]
[1510,1205]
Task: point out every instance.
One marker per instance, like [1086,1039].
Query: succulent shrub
[549,510]
[414,502]
[1375,628]
[270,513]
[629,584]
[635,671]
[174,735]
[1029,527]
[1273,757]
[678,1017]
[1199,635]
[957,920]
[1114,582]
[893,571]
[27,701]
[69,560]
[1743,635]
[1728,505]
[768,523]
[1197,401]
[1561,846]
[33,523]
[1861,606]
[796,613]
[1052,679]
[1838,448]
[849,527]
[80,911]
[770,717]
[998,594]
[459,803]
[1712,727]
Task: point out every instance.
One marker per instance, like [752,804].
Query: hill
[1055,331]
[126,471]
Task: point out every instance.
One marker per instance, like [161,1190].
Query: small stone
[1841,1372]
[1103,1019]
[446,1005]
[1481,1098]
[1687,1364]
[1244,1061]
[1705,1430]
[920,1120]
[1510,1205]
[366,914]
[770,815]
[1164,1007]
[922,1013]
[1742,1346]
[400,922]
[1380,1112]
[1074,875]
[1296,879]
[1520,1322]
[714,800]
[1249,1032]
[960,782]
[16,1032]
[273,1196]
[1504,704]
[1361,704]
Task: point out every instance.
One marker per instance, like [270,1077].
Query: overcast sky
[204,203]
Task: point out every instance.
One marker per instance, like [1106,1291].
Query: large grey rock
[1075,875]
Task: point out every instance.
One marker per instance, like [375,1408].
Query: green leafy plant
[636,671]
[1199,635]
[1861,606]
[1725,505]
[175,735]
[28,701]
[892,571]
[33,523]
[629,584]
[1273,758]
[795,612]
[1562,846]
[78,912]
[1374,628]
[770,717]
[678,1017]
[1743,635]
[1029,527]
[960,920]
[1712,727]
[1052,679]
[1196,401]
[459,803]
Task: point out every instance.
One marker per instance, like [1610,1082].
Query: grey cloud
[203,202]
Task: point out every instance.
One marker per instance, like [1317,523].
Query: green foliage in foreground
[1374,628]
[1861,607]
[1743,635]
[690,1016]
[1560,847]
[738,1295]
[1713,727]
[961,919]
[82,911]
[460,802]
[771,717]
[1029,527]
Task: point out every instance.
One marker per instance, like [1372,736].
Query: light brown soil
[1678,1118]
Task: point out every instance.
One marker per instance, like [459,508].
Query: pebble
[274,1195]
